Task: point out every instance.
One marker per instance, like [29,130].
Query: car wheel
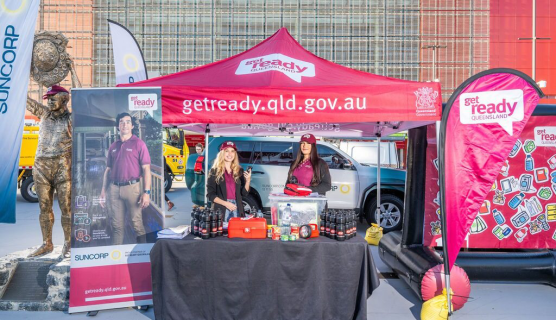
[167,181]
[391,209]
[28,191]
[250,204]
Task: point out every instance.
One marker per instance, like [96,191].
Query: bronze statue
[52,168]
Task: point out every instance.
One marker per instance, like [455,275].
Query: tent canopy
[286,89]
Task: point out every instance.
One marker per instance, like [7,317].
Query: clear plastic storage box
[302,210]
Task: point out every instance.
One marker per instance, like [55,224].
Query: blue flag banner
[17,28]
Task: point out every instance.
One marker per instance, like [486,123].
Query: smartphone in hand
[249,168]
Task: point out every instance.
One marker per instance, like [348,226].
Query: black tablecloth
[223,278]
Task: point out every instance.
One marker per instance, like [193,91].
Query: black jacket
[325,179]
[219,190]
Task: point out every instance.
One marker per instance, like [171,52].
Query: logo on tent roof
[293,68]
[426,101]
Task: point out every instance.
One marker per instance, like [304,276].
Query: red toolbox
[250,228]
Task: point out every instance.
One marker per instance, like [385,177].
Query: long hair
[219,167]
[315,163]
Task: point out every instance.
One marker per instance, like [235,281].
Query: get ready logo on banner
[293,68]
[545,136]
[502,107]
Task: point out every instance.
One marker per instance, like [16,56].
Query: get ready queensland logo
[503,107]
[293,68]
[143,101]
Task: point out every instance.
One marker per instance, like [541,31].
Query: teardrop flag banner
[481,123]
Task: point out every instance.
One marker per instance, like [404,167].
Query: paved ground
[392,300]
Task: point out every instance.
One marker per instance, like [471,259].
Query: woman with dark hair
[308,169]
[227,182]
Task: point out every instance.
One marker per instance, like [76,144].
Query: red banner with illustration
[520,209]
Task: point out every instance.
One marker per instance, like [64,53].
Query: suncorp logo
[293,68]
[502,107]
[91,256]
[15,9]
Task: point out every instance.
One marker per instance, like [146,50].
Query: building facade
[424,40]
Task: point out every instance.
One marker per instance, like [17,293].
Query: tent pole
[207,130]
[378,211]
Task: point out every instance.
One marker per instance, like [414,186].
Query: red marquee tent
[279,88]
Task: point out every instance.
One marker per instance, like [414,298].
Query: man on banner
[128,161]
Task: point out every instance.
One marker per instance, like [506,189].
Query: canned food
[295,230]
[293,237]
[269,231]
[285,237]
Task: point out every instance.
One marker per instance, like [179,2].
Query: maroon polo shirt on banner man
[127,158]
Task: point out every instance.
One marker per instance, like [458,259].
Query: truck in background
[175,151]
[25,181]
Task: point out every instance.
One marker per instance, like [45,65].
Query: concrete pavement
[392,300]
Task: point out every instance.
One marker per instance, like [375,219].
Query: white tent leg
[206,162]
[378,185]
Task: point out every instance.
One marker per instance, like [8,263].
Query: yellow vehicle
[175,153]
[25,181]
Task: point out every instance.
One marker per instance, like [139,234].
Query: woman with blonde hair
[227,182]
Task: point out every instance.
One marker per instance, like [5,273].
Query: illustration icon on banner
[551,212]
[505,168]
[544,193]
[520,219]
[498,216]
[502,232]
[526,183]
[516,200]
[498,197]
[515,149]
[520,234]
[479,225]
[541,175]
[529,146]
[552,162]
[509,185]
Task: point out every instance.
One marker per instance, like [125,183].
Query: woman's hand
[230,206]
[247,175]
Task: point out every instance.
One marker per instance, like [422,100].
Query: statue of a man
[52,168]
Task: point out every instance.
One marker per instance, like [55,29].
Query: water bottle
[287,215]
[529,164]
[498,217]
[516,200]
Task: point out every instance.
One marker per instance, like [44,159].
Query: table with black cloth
[221,278]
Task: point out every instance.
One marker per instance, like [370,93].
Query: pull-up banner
[17,25]
[117,155]
[482,122]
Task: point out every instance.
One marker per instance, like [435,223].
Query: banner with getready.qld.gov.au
[117,190]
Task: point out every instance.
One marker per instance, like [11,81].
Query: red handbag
[297,190]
